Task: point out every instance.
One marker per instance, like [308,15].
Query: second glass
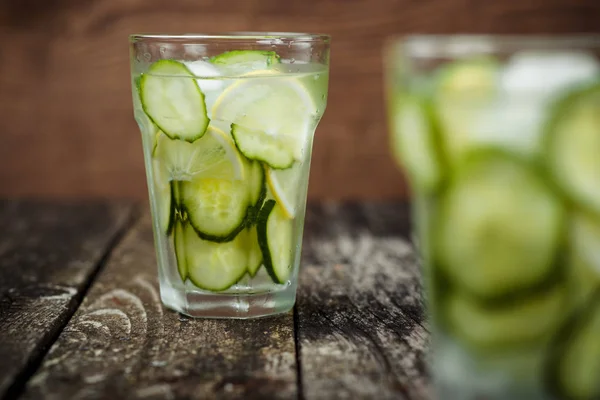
[500,137]
[227,123]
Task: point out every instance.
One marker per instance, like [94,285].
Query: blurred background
[65,97]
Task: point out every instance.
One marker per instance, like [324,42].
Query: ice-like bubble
[546,74]
[205,70]
[210,87]
[530,82]
[272,41]
[195,50]
[509,122]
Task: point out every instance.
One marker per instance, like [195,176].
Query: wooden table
[81,318]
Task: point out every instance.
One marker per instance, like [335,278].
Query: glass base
[458,375]
[198,304]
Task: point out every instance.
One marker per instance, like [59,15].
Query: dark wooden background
[66,122]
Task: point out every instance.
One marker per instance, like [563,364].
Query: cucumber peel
[274,150]
[261,59]
[499,226]
[173,100]
[572,143]
[214,266]
[573,366]
[275,234]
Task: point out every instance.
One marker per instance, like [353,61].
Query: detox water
[500,141]
[227,141]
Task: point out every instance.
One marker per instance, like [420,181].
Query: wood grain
[360,324]
[122,343]
[65,101]
[48,254]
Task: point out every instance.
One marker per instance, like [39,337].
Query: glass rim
[441,45]
[248,36]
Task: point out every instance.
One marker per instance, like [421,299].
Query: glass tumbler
[227,123]
[499,137]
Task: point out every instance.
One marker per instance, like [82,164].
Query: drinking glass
[227,124]
[499,137]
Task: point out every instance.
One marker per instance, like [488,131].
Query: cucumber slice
[214,266]
[499,226]
[582,280]
[487,328]
[216,208]
[258,190]
[574,364]
[180,249]
[211,191]
[247,59]
[276,151]
[572,145]
[257,184]
[173,101]
[414,143]
[586,240]
[464,91]
[163,195]
[275,235]
[584,262]
[255,257]
[166,208]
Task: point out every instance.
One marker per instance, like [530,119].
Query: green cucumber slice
[214,266]
[499,226]
[573,366]
[414,143]
[162,192]
[586,240]
[180,249]
[275,235]
[211,189]
[167,209]
[254,59]
[585,236]
[171,98]
[276,151]
[255,257]
[258,186]
[572,143]
[216,208]
[584,258]
[522,323]
[258,190]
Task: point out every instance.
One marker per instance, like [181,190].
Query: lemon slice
[214,155]
[284,186]
[273,111]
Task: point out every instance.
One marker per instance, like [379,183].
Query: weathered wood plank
[359,310]
[122,343]
[48,254]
